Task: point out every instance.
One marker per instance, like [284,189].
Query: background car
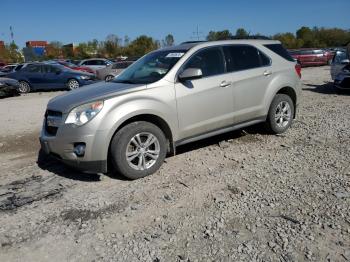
[73,66]
[312,57]
[109,72]
[340,60]
[8,68]
[8,87]
[95,63]
[46,76]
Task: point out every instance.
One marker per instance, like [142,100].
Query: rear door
[54,77]
[204,104]
[250,74]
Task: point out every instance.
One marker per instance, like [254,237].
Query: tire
[109,78]
[24,87]
[73,84]
[281,113]
[329,62]
[142,160]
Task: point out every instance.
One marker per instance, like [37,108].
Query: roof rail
[258,37]
[192,42]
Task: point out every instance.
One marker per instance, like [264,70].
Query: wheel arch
[154,119]
[289,91]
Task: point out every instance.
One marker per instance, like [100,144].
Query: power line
[197,35]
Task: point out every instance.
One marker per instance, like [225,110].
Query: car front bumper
[62,146]
[342,81]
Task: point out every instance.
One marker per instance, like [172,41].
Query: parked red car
[76,67]
[312,57]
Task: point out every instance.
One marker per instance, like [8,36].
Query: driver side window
[210,61]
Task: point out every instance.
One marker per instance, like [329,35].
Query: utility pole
[11,34]
[197,35]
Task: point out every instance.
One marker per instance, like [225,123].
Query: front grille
[52,121]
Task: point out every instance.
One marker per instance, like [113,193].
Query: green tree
[169,40]
[11,54]
[219,35]
[307,36]
[289,40]
[241,33]
[141,45]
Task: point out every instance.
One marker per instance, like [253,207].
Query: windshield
[150,68]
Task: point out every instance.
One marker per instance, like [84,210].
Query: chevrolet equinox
[170,97]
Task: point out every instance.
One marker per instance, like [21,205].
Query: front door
[205,104]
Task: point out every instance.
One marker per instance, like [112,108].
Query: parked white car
[95,63]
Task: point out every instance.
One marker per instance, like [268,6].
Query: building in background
[39,47]
[34,50]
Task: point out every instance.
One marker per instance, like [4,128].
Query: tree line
[114,46]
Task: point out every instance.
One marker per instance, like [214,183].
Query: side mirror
[345,61]
[190,74]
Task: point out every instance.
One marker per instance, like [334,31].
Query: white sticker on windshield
[175,55]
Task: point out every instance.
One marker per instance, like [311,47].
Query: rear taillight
[298,69]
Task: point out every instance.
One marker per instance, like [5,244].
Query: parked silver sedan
[111,71]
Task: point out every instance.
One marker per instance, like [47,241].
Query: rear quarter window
[280,50]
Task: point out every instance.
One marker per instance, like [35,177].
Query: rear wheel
[24,87]
[138,149]
[73,84]
[281,113]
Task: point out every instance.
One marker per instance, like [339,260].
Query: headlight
[84,113]
[85,77]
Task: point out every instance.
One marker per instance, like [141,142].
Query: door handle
[225,84]
[267,73]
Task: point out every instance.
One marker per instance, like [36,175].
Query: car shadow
[327,88]
[215,140]
[53,165]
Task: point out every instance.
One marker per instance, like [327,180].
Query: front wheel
[281,113]
[73,84]
[24,87]
[109,78]
[138,149]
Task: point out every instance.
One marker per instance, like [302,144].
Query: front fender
[120,109]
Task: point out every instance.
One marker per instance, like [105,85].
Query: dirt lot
[243,196]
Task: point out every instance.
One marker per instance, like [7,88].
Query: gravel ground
[243,196]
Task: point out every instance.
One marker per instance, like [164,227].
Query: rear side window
[210,61]
[279,50]
[33,68]
[243,57]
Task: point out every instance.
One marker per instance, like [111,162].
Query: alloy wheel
[142,151]
[283,114]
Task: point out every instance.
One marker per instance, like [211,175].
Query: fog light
[79,149]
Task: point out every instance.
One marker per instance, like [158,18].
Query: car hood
[9,81]
[99,91]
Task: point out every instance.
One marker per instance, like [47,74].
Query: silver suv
[171,97]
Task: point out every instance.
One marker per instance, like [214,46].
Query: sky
[77,21]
